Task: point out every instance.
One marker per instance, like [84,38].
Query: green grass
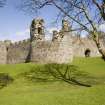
[24,92]
[95,66]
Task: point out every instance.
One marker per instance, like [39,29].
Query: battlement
[20,42]
[61,49]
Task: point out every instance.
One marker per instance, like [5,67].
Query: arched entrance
[87,52]
[39,30]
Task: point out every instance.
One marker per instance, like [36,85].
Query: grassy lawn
[25,92]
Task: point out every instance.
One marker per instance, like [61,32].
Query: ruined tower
[65,26]
[37,29]
[57,50]
[62,45]
[58,36]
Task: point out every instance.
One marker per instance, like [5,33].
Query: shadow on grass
[5,79]
[59,72]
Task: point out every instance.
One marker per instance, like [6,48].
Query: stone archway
[87,52]
[39,30]
[7,49]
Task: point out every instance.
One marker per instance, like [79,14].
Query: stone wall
[64,53]
[52,51]
[3,53]
[82,44]
[18,52]
[61,49]
[57,51]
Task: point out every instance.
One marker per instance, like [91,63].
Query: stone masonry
[61,49]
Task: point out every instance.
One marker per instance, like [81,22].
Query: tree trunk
[100,49]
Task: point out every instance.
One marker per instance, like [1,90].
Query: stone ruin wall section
[80,46]
[3,53]
[52,52]
[18,52]
[64,52]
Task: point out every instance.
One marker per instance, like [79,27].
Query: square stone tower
[37,29]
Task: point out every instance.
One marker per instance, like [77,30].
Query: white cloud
[22,33]
[102,27]
[50,30]
[15,36]
[49,33]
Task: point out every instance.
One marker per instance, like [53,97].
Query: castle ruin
[60,49]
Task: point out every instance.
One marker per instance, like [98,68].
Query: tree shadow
[59,72]
[5,79]
[69,73]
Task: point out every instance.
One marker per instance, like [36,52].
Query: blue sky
[14,23]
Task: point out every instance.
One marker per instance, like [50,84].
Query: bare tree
[2,3]
[83,15]
[101,7]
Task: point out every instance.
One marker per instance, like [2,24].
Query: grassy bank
[25,92]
